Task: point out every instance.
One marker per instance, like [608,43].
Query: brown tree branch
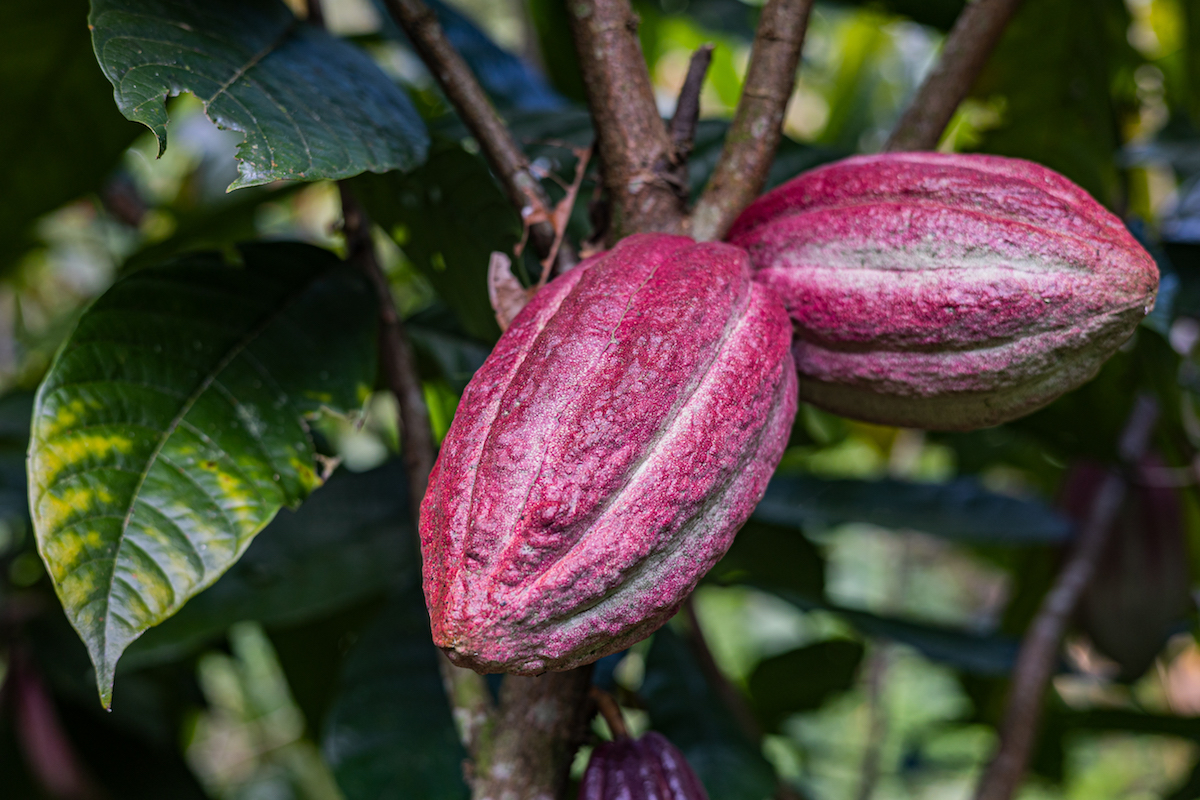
[395,353]
[611,711]
[538,728]
[635,148]
[968,45]
[757,128]
[687,109]
[1039,649]
[497,143]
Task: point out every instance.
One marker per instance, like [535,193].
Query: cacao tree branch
[395,353]
[730,695]
[506,158]
[537,729]
[1039,648]
[611,711]
[687,108]
[636,150]
[968,45]
[467,691]
[757,127]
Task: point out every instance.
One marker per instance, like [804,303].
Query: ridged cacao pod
[649,768]
[945,292]
[1140,591]
[604,455]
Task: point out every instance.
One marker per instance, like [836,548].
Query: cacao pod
[945,292]
[1140,591]
[604,455]
[649,768]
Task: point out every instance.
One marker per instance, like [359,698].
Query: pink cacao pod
[649,768]
[945,292]
[1141,587]
[604,455]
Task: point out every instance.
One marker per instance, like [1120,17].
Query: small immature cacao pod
[604,455]
[945,292]
[649,768]
[1140,591]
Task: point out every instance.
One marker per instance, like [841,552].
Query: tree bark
[968,45]
[635,147]
[753,138]
[538,727]
[1039,649]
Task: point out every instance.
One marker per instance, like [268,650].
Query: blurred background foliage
[865,620]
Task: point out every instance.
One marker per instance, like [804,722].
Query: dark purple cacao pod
[649,768]
[945,292]
[604,455]
[1141,587]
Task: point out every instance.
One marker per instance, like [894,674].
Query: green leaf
[390,735]
[1067,118]
[51,91]
[977,653]
[961,510]
[172,427]
[443,349]
[772,556]
[447,216]
[803,679]
[349,542]
[312,106]
[686,709]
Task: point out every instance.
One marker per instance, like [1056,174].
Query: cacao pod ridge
[945,291]
[604,455]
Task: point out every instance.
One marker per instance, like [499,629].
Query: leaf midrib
[235,350]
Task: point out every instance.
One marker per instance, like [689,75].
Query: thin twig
[497,143]
[753,138]
[1040,647]
[395,353]
[562,212]
[608,708]
[635,149]
[730,695]
[687,109]
[968,45]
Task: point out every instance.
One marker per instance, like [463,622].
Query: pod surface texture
[649,768]
[945,291]
[603,457]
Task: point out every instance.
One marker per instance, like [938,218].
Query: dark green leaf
[803,679]
[685,709]
[311,106]
[312,656]
[978,653]
[61,134]
[961,509]
[351,541]
[774,556]
[390,735]
[172,427]
[442,346]
[1067,118]
[448,216]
